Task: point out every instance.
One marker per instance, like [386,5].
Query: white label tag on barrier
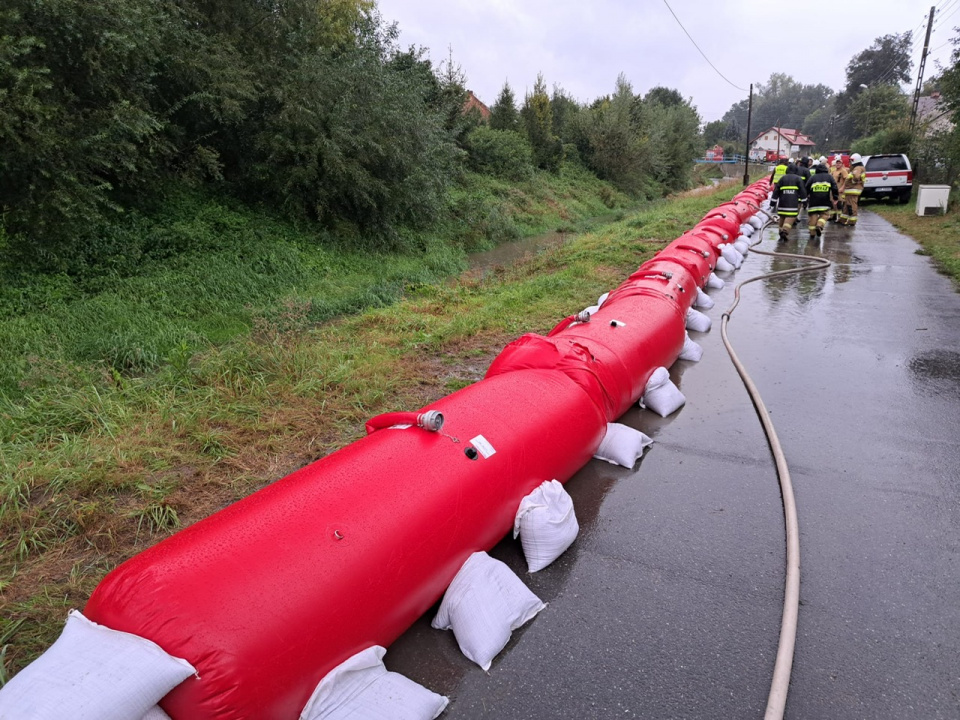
[483,446]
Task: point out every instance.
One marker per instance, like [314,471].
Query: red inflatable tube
[637,330]
[268,595]
[688,271]
[697,255]
[387,420]
[727,222]
[564,324]
[713,235]
[573,359]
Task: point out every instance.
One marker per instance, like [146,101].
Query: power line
[698,47]
[944,18]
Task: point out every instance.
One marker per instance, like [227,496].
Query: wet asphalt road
[669,603]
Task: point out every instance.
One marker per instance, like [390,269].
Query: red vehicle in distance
[844,155]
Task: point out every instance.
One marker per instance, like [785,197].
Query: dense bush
[897,139]
[301,103]
[502,153]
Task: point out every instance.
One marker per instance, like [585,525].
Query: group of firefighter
[830,194]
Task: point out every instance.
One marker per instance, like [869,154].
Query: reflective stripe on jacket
[822,189]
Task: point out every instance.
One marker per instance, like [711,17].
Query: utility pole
[746,156]
[923,62]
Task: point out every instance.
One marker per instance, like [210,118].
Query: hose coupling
[431,420]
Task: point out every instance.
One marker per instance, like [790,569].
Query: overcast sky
[582,45]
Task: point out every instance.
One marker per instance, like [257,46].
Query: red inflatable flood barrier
[268,595]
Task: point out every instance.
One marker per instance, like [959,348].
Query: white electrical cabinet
[932,199]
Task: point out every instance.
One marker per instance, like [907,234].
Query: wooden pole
[746,156]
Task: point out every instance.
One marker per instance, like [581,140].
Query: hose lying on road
[777,699]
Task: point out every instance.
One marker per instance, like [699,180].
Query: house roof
[474,102]
[795,137]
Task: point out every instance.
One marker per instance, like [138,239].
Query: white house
[783,141]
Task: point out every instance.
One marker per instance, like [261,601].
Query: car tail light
[909,177]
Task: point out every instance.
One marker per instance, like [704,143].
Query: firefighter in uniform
[778,172]
[837,173]
[787,193]
[852,188]
[822,192]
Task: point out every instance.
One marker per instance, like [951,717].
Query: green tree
[668,97]
[503,113]
[714,132]
[565,110]
[616,149]
[303,103]
[353,140]
[780,102]
[537,120]
[879,108]
[886,62]
[673,129]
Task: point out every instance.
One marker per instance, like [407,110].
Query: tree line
[306,107]
[870,114]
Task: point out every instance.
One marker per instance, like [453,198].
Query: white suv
[887,176]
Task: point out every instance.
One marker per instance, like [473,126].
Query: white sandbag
[697,321]
[600,301]
[723,265]
[622,445]
[747,229]
[546,524]
[730,254]
[703,301]
[484,604]
[715,283]
[155,713]
[742,246]
[93,673]
[361,687]
[756,221]
[661,395]
[691,350]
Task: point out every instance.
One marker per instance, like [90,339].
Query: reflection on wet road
[668,605]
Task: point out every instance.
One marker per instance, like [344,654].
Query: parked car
[888,176]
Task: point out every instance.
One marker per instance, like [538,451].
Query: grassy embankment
[102,457]
[938,235]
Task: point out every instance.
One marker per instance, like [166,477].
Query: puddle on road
[802,288]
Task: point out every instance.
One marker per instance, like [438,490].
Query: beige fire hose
[777,699]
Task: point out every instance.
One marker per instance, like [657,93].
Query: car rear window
[887,162]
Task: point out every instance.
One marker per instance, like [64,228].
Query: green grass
[98,461]
[245,270]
